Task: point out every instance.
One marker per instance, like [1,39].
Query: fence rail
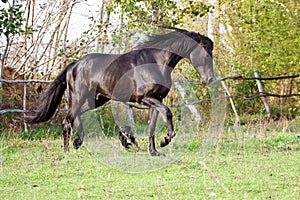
[235,77]
[240,77]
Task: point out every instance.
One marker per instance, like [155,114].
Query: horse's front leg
[171,133]
[153,114]
[167,116]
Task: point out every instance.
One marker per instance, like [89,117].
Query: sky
[80,18]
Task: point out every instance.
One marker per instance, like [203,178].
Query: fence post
[237,119]
[130,114]
[25,106]
[261,91]
[25,99]
[101,122]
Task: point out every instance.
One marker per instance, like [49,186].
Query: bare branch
[25,81]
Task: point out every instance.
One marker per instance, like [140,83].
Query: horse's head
[201,58]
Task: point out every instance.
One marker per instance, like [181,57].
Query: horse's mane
[167,39]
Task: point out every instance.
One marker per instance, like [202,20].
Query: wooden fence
[262,94]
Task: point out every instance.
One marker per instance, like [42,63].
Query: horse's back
[101,60]
[94,65]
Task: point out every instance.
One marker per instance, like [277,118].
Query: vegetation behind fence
[271,110]
[37,39]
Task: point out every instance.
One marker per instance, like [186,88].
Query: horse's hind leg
[80,133]
[88,104]
[67,123]
[77,110]
[67,128]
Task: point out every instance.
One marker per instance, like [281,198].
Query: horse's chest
[157,91]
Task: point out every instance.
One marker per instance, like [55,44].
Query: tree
[261,36]
[11,23]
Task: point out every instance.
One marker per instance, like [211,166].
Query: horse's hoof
[164,142]
[156,153]
[67,149]
[173,134]
[77,143]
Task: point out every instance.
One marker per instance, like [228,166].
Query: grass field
[258,162]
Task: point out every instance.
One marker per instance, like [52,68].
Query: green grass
[255,163]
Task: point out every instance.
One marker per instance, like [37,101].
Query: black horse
[142,75]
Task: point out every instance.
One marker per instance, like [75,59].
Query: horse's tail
[51,99]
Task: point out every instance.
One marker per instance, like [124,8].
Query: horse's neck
[170,63]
